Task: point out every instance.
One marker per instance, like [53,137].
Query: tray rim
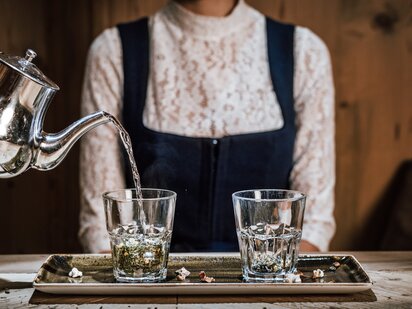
[210,288]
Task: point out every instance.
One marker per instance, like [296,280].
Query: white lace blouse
[209,77]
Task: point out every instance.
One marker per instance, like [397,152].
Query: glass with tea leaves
[269,229]
[140,228]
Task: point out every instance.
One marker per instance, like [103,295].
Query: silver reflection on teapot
[25,94]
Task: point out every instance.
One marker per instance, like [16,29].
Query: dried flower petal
[204,278]
[202,274]
[180,278]
[209,279]
[182,273]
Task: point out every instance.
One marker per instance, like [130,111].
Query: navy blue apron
[204,172]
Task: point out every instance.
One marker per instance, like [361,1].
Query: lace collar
[210,27]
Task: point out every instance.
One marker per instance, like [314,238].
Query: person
[217,98]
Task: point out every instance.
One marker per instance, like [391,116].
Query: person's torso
[205,171]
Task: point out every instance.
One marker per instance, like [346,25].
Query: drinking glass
[269,229]
[140,232]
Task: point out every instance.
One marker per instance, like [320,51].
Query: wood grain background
[371,47]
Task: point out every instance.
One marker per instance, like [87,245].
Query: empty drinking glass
[269,229]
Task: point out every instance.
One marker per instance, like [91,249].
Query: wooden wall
[371,47]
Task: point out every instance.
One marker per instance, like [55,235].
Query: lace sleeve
[314,156]
[100,161]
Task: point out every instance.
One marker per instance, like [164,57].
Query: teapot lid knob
[26,67]
[30,55]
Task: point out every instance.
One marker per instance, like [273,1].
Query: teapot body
[25,95]
[21,101]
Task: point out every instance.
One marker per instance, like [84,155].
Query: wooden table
[391,273]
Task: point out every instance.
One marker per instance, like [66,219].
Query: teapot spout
[53,148]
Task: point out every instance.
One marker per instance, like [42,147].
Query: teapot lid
[27,68]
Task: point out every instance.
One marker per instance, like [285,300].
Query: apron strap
[135,44]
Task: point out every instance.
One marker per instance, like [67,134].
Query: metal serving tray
[98,278]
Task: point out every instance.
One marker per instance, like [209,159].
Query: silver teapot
[25,94]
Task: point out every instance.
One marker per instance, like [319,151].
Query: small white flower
[318,273]
[75,273]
